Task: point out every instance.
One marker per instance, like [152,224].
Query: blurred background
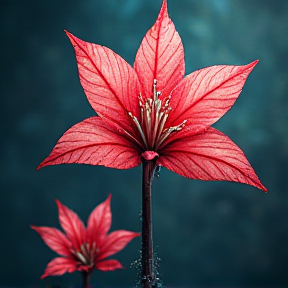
[209,234]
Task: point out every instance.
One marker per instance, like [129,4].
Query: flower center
[87,254]
[154,114]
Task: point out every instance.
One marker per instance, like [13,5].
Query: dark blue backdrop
[208,233]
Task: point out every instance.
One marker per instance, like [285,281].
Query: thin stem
[148,273]
[86,279]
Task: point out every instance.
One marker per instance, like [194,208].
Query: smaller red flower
[84,249]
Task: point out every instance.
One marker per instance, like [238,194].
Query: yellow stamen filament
[81,258]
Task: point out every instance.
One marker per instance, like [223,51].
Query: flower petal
[160,56]
[72,225]
[209,156]
[99,222]
[92,142]
[54,239]
[206,95]
[59,266]
[109,82]
[115,242]
[109,265]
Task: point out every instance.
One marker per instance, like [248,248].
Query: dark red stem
[86,279]
[148,273]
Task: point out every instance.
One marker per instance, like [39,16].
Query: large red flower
[84,249]
[152,110]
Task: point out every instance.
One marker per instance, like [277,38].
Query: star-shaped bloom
[84,249]
[152,112]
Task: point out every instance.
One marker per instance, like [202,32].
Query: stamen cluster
[87,254]
[154,114]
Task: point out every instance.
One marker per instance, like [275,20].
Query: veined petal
[54,239]
[109,265]
[209,156]
[109,82]
[206,95]
[160,56]
[59,266]
[115,242]
[92,142]
[72,225]
[99,222]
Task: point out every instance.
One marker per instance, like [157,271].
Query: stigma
[154,113]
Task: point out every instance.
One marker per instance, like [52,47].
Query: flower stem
[147,273]
[86,279]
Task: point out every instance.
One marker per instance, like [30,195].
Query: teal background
[209,234]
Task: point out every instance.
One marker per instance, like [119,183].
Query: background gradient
[214,234]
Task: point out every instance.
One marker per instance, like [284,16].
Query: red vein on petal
[75,39]
[217,87]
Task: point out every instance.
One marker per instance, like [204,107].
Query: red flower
[84,249]
[152,110]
